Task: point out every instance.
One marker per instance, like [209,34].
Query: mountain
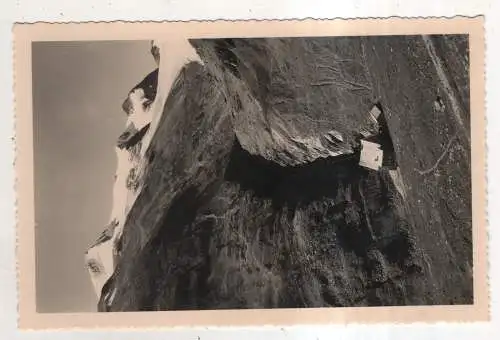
[252,192]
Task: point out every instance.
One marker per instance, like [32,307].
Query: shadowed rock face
[247,204]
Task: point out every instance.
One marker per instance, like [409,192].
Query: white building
[371,156]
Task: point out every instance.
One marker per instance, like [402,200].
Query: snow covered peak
[144,107]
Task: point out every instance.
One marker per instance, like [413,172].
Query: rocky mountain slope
[252,195]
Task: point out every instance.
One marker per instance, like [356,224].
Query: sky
[78,89]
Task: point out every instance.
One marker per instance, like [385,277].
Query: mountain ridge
[245,202]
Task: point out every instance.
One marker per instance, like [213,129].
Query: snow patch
[182,53]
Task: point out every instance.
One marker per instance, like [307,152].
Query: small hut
[377,149]
[371,155]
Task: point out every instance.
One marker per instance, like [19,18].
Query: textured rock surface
[247,203]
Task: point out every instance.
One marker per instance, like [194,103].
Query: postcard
[249,173]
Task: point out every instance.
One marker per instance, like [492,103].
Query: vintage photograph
[268,173]
[243,173]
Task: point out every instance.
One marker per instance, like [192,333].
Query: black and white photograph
[240,173]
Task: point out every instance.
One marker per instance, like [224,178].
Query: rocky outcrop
[253,196]
[142,95]
[99,258]
[281,90]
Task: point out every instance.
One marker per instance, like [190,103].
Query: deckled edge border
[264,325]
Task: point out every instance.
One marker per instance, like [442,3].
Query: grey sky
[78,89]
